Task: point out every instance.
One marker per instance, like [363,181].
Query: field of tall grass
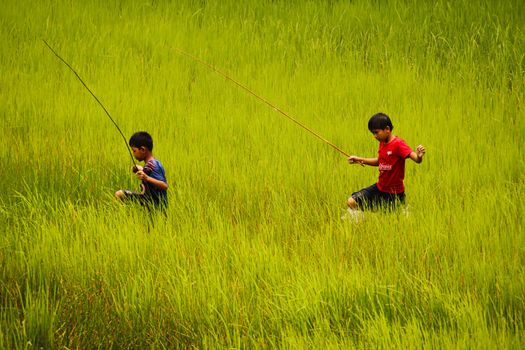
[253,252]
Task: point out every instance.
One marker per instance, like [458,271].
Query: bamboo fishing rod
[95,97]
[204,63]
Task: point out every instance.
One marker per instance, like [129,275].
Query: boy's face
[139,153]
[381,135]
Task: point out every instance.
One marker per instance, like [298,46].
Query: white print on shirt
[385,167]
[389,153]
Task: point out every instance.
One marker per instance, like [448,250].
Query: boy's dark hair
[380,121]
[141,139]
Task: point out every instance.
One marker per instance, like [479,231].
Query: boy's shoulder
[402,146]
[396,142]
[153,163]
[399,139]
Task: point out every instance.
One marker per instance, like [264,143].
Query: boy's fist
[142,175]
[420,151]
[355,160]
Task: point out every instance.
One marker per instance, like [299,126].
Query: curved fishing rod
[100,103]
[263,100]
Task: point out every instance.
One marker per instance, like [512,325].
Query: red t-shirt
[392,165]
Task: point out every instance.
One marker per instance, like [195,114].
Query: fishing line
[100,103]
[277,109]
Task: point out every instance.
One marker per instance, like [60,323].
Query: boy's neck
[389,138]
[148,157]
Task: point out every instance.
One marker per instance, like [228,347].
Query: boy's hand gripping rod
[100,103]
[263,100]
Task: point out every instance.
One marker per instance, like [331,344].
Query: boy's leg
[353,213]
[364,199]
[119,195]
[391,201]
[126,195]
[352,204]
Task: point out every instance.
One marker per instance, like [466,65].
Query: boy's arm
[363,161]
[417,155]
[157,183]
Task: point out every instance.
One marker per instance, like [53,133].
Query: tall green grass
[253,253]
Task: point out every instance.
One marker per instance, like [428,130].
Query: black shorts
[144,200]
[371,198]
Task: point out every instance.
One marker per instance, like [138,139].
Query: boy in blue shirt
[154,184]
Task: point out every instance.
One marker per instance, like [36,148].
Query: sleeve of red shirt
[403,149]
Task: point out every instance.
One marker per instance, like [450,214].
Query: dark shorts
[371,198]
[134,196]
[145,200]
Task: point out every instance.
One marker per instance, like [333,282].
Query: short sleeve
[403,150]
[149,167]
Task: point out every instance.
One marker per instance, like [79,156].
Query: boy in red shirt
[389,191]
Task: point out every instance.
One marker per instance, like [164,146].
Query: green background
[253,252]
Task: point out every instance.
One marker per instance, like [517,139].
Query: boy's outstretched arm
[363,161]
[417,155]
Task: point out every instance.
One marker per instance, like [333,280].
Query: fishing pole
[204,63]
[100,103]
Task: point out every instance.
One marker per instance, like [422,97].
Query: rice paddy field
[252,252]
